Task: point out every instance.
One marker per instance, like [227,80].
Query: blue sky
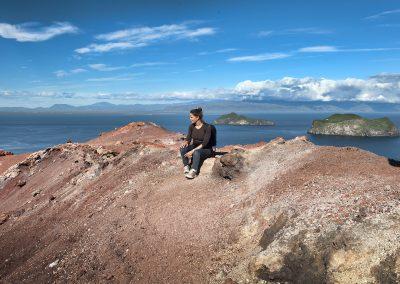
[127,52]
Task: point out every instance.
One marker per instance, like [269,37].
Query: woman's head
[196,114]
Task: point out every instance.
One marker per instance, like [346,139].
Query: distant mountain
[101,107]
[216,107]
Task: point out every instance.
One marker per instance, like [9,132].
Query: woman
[201,149]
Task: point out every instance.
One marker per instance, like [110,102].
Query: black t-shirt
[200,136]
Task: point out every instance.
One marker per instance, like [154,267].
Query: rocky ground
[119,209]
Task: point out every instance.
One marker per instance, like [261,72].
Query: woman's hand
[184,144]
[189,154]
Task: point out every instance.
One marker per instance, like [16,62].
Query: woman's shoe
[191,174]
[186,169]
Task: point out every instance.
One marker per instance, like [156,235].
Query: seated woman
[201,148]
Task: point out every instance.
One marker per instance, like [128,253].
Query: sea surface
[20,133]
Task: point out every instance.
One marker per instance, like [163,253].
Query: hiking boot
[191,174]
[186,169]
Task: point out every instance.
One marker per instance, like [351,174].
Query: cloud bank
[378,88]
[383,87]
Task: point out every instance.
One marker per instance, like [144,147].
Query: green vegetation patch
[383,123]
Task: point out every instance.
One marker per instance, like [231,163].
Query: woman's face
[193,118]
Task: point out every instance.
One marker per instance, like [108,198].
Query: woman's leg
[199,156]
[183,152]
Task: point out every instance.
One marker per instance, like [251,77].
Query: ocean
[22,132]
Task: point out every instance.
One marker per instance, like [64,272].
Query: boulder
[230,165]
[5,153]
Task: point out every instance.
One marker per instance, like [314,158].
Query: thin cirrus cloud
[319,48]
[143,36]
[224,50]
[104,67]
[123,77]
[150,64]
[308,49]
[63,73]
[312,30]
[328,48]
[33,33]
[382,14]
[259,57]
[106,47]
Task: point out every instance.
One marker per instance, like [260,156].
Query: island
[236,119]
[353,125]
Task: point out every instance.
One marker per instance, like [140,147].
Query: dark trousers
[198,156]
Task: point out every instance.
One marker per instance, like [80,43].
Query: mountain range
[215,107]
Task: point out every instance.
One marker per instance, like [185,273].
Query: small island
[354,125]
[236,119]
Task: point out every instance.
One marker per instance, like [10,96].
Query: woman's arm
[190,153]
[207,136]
[189,136]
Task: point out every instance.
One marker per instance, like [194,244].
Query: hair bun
[199,109]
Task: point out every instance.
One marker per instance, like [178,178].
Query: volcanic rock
[5,153]
[270,212]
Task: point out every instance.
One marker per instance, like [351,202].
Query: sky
[126,52]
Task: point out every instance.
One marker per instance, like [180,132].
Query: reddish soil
[119,209]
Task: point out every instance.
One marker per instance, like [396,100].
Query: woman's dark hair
[197,112]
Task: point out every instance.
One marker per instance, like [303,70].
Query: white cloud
[147,64]
[382,14]
[369,49]
[207,94]
[328,48]
[78,70]
[295,31]
[379,88]
[225,50]
[308,49]
[143,36]
[105,47]
[26,95]
[259,57]
[319,48]
[103,67]
[148,34]
[382,87]
[63,73]
[198,32]
[124,77]
[265,33]
[60,73]
[23,33]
